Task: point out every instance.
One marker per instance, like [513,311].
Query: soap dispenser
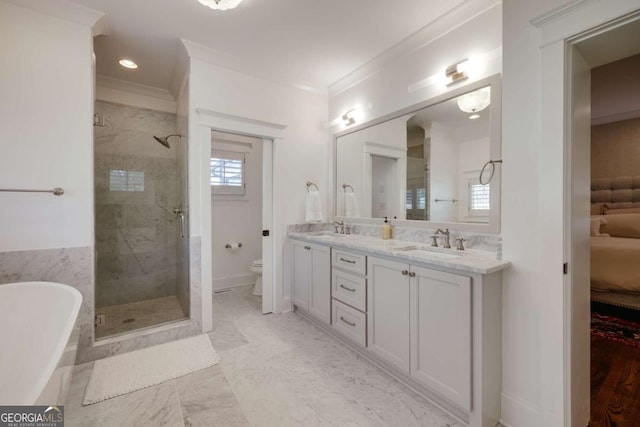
[386,229]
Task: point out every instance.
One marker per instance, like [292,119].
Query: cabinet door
[441,333]
[388,311]
[320,289]
[301,274]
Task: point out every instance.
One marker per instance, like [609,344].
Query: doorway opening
[236,173]
[603,171]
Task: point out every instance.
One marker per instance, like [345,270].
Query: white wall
[299,157]
[384,187]
[238,219]
[443,173]
[46,87]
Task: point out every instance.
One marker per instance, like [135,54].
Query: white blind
[120,180]
[227,172]
[480,197]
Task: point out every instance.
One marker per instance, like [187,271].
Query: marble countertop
[469,260]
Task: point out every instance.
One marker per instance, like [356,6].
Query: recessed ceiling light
[127,63]
[474,116]
[220,4]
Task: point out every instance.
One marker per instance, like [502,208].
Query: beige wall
[615,149]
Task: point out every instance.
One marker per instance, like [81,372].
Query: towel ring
[311,184]
[347,186]
[493,170]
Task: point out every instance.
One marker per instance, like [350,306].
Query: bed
[615,241]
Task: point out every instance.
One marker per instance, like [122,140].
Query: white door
[577,281]
[441,333]
[388,311]
[320,284]
[267,226]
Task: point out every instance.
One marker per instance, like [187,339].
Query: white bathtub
[38,342]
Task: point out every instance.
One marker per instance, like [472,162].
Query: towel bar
[346,186]
[56,191]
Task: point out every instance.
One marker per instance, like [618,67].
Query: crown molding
[137,88]
[94,19]
[559,12]
[456,17]
[224,60]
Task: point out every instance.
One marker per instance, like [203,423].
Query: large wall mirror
[423,164]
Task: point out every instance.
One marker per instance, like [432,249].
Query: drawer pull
[347,260]
[405,272]
[307,247]
[347,322]
[412,274]
[348,289]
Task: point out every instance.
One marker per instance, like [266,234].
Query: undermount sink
[417,250]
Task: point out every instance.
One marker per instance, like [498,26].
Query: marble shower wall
[137,187]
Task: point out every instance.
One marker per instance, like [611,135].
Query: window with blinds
[120,180]
[228,172]
[479,199]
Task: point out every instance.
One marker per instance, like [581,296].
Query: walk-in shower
[140,213]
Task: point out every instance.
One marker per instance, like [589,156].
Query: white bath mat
[125,373]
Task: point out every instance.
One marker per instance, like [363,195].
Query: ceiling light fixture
[476,101]
[220,4]
[349,117]
[127,63]
[456,73]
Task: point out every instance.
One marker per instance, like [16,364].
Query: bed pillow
[596,225]
[622,211]
[599,208]
[622,225]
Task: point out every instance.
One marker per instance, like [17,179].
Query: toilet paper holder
[230,246]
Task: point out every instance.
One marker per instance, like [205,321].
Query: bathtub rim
[58,351]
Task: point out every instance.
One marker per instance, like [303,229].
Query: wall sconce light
[456,73]
[349,117]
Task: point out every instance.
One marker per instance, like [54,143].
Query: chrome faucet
[434,238]
[340,225]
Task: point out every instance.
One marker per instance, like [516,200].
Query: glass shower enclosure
[140,170]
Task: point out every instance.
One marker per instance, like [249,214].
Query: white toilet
[256,267]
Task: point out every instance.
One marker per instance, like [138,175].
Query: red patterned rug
[615,329]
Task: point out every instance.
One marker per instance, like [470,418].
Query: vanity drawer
[350,289]
[349,322]
[350,261]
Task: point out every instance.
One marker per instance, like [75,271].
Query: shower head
[164,140]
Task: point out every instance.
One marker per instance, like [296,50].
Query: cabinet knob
[307,248]
[405,272]
[412,274]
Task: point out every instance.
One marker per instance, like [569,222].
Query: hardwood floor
[615,384]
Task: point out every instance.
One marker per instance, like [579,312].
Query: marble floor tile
[153,406]
[275,371]
[207,400]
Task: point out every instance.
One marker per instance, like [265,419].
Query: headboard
[619,193]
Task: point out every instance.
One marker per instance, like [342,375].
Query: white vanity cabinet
[420,321]
[311,289]
[388,315]
[440,312]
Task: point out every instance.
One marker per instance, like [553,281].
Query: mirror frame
[494,223]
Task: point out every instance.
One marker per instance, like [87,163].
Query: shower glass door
[140,220]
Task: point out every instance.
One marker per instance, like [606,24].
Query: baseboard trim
[234,281]
[518,412]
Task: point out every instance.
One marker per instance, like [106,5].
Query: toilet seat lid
[257,263]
